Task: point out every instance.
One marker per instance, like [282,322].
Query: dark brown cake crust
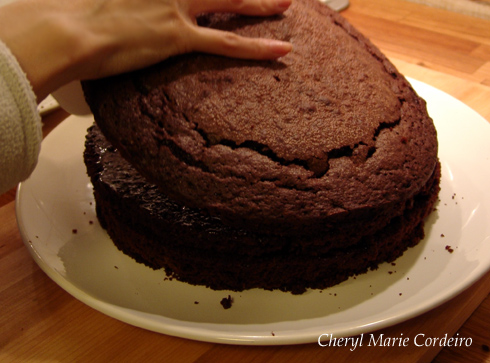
[199,249]
[329,143]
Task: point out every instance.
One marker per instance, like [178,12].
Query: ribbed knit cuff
[20,123]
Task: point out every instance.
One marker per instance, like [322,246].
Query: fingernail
[283,4]
[279,47]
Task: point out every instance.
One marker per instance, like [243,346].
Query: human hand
[60,41]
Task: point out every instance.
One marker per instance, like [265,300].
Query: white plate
[57,221]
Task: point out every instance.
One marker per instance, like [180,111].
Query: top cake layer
[331,132]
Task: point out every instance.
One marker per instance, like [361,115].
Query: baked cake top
[329,129]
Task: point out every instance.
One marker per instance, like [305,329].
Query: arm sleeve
[20,123]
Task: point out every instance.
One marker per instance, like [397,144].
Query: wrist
[45,43]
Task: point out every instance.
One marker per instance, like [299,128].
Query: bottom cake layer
[154,231]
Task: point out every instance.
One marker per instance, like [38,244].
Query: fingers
[246,7]
[232,45]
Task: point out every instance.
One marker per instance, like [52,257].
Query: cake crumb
[196,302]
[449,249]
[226,302]
[74,231]
[273,334]
[442,235]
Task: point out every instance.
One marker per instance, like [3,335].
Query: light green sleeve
[20,123]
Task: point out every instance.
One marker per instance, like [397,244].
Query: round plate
[56,215]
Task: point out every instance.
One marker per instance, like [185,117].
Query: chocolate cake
[283,174]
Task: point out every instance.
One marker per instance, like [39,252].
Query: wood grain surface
[40,322]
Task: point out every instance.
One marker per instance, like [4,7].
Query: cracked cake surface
[330,133]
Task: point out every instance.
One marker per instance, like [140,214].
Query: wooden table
[41,322]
